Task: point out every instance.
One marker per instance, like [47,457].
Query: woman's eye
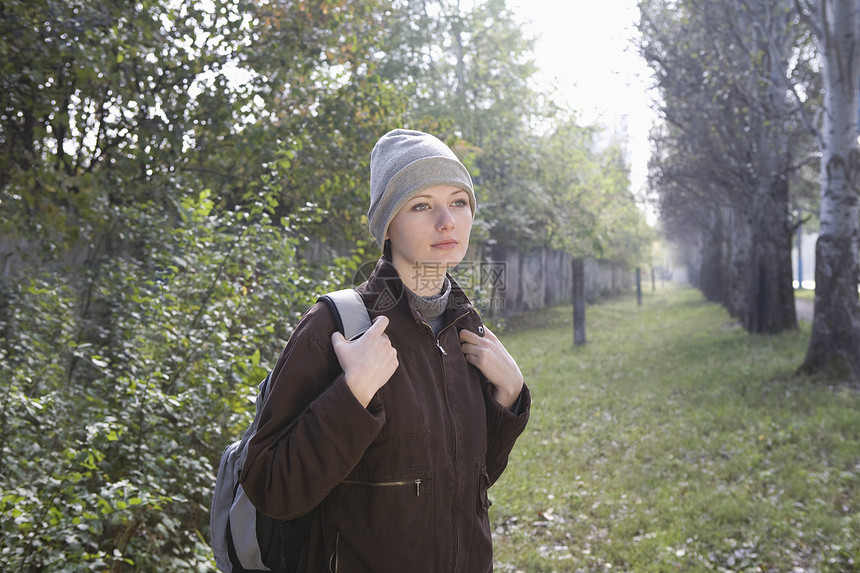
[420,207]
[460,203]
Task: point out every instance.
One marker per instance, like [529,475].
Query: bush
[124,382]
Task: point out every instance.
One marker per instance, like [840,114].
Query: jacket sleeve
[503,428]
[287,474]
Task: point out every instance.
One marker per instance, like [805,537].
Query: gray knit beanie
[402,164]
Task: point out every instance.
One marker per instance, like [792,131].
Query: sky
[583,48]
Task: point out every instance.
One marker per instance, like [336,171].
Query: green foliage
[675,441]
[540,179]
[592,212]
[99,104]
[109,449]
[178,182]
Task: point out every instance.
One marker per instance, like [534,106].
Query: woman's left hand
[493,360]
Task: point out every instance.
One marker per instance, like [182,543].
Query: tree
[151,270]
[163,166]
[482,88]
[730,148]
[314,72]
[540,179]
[836,327]
[590,211]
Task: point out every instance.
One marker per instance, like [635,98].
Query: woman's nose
[446,219]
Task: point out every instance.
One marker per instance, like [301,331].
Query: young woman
[398,452]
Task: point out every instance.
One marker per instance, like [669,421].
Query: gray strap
[243,527]
[353,314]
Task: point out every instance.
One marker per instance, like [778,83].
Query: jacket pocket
[381,521]
[484,502]
[385,502]
[481,545]
[356,553]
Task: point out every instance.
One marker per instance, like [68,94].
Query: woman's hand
[368,362]
[490,357]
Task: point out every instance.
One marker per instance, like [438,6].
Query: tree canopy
[755,93]
[728,168]
[179,181]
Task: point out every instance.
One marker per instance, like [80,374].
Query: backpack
[243,539]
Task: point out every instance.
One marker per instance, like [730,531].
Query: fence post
[578,269]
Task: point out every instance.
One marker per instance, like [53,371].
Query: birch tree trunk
[836,327]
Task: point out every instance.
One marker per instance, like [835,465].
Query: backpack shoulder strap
[229,500]
[349,312]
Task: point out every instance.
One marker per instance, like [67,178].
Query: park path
[805,309]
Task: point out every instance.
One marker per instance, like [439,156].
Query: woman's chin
[447,259]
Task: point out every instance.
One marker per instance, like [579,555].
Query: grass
[674,441]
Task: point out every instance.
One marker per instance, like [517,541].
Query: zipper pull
[418,488]
[439,346]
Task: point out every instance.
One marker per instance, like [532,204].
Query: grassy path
[674,441]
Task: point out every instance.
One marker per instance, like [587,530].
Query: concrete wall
[542,277]
[507,282]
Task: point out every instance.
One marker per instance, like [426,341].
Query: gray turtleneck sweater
[432,308]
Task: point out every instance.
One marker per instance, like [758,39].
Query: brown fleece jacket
[399,486]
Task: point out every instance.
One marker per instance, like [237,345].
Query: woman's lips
[447,244]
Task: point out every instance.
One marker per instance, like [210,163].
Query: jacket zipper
[417,482]
[453,430]
[438,338]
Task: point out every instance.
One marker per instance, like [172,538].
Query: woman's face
[430,232]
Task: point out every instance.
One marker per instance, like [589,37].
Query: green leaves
[536,186]
[178,182]
[110,447]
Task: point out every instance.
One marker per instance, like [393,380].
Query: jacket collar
[384,292]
